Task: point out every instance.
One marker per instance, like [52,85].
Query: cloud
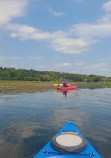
[3,58]
[25,32]
[40,67]
[69,45]
[106,18]
[107,6]
[81,36]
[75,40]
[55,13]
[58,40]
[35,57]
[79,63]
[10,9]
[97,69]
[100,66]
[91,32]
[63,64]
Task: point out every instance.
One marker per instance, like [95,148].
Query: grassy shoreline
[24,86]
[8,87]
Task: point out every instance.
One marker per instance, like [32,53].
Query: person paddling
[66,84]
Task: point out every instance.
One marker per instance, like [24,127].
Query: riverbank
[24,86]
[94,85]
[37,86]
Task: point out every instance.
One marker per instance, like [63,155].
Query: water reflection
[65,93]
[28,121]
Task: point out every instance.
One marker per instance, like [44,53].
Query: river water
[29,120]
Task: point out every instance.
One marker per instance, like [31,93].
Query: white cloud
[97,69]
[58,40]
[35,57]
[77,39]
[73,41]
[63,64]
[55,13]
[40,67]
[69,45]
[10,9]
[107,6]
[25,32]
[3,58]
[79,63]
[96,66]
[40,36]
[92,32]
[106,18]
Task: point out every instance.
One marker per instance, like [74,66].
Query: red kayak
[66,88]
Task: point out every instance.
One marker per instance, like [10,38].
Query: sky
[56,35]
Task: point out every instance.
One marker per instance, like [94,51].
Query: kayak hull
[49,152]
[66,88]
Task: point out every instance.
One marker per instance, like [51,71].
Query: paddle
[56,84]
[76,82]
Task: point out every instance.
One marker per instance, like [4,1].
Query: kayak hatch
[68,143]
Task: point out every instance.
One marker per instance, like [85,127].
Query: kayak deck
[49,152]
[66,88]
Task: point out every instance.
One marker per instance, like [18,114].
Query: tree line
[33,75]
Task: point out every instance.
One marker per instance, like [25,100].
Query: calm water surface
[28,121]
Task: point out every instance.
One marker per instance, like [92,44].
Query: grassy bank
[24,86]
[35,86]
[93,85]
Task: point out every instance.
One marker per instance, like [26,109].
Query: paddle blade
[55,84]
[76,82]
